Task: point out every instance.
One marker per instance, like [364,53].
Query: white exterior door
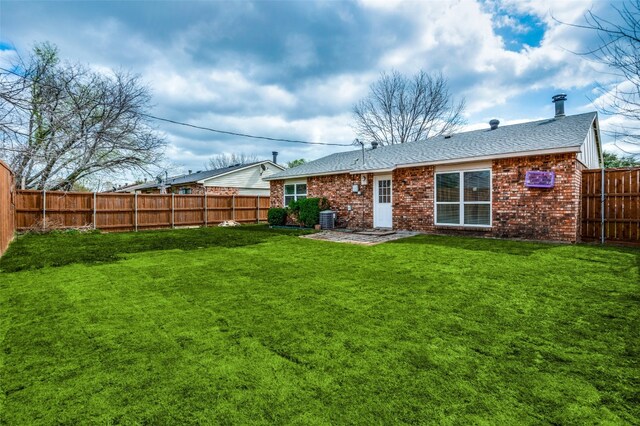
[382,196]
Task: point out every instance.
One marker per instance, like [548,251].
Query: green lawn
[250,325]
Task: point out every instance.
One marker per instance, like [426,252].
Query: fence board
[7,207]
[621,207]
[128,212]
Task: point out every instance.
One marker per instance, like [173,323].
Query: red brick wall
[518,212]
[211,190]
[536,213]
[276,197]
[337,189]
[412,198]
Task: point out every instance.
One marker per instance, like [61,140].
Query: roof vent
[494,124]
[374,145]
[447,136]
[559,101]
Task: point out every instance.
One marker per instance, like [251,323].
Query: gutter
[337,172]
[472,159]
[435,163]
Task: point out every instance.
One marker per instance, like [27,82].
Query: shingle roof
[191,177]
[207,174]
[551,134]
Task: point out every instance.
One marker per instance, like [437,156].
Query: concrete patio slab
[366,238]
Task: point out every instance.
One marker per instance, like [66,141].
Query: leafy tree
[295,163]
[61,123]
[612,160]
[402,109]
[221,161]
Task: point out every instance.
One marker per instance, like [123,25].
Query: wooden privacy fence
[132,212]
[621,205]
[7,208]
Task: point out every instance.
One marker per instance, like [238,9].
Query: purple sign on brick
[536,179]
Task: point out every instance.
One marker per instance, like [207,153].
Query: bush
[308,210]
[277,217]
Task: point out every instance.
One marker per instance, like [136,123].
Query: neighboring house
[475,183]
[240,179]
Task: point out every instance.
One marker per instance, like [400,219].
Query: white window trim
[295,195]
[461,202]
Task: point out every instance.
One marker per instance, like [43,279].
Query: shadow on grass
[517,248]
[513,247]
[32,251]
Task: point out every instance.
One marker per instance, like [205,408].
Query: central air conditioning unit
[327,219]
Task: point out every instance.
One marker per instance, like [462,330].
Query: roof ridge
[564,134]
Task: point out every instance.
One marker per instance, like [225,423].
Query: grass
[250,325]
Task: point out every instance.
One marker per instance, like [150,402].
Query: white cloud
[221,70]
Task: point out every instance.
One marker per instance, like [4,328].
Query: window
[384,191]
[185,191]
[294,192]
[463,198]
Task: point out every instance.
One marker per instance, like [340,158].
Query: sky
[294,69]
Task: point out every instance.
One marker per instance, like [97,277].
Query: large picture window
[463,198]
[294,192]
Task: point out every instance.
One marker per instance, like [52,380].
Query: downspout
[361,193]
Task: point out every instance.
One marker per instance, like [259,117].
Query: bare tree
[400,109]
[619,50]
[61,123]
[221,161]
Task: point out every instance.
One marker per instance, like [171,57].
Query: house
[516,181]
[239,179]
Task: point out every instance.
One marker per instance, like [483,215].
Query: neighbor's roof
[564,134]
[196,177]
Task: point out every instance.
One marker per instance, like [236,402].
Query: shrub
[308,210]
[277,217]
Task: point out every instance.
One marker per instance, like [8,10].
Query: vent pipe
[275,156]
[494,124]
[558,100]
[374,145]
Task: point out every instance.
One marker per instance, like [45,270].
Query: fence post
[602,205]
[206,213]
[135,207]
[94,210]
[44,209]
[258,209]
[233,207]
[173,220]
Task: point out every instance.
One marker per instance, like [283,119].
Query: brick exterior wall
[412,198]
[536,213]
[337,189]
[276,191]
[211,190]
[197,189]
[517,211]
